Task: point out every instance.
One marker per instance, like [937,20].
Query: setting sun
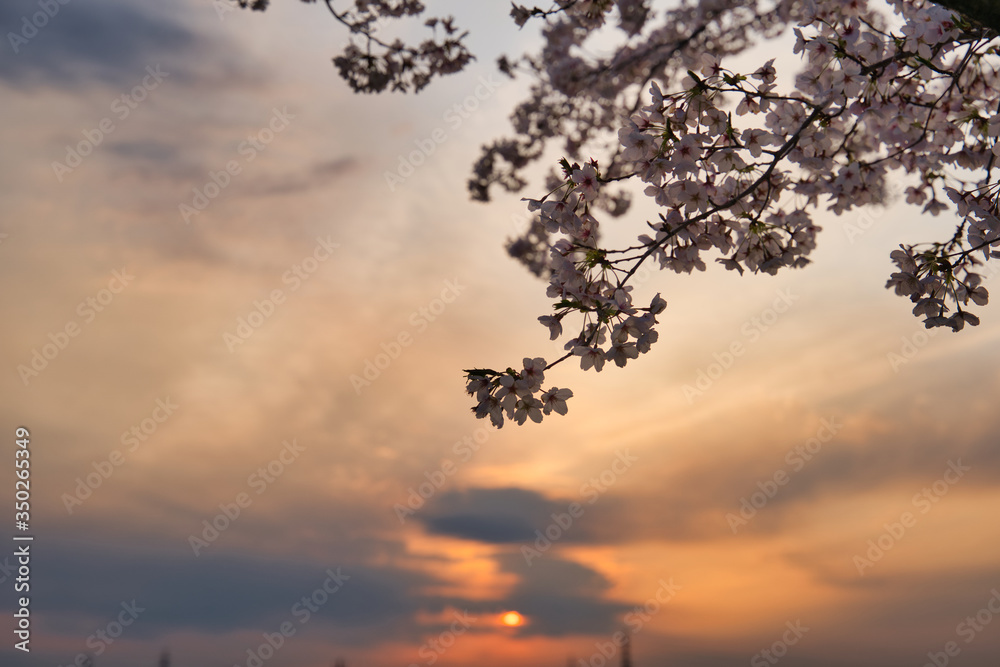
[512,619]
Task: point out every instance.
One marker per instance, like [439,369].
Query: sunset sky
[844,418]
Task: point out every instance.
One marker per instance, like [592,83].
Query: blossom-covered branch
[738,167]
[907,90]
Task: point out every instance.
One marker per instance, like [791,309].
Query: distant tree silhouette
[627,651]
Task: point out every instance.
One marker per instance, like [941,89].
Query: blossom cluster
[738,167]
[949,271]
[889,92]
[371,64]
[517,396]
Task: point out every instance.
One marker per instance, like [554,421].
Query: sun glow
[512,619]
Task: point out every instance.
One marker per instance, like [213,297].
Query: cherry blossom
[888,95]
[555,400]
[738,167]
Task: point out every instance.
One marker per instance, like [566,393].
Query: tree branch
[986,12]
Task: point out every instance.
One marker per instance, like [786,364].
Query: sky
[250,442]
